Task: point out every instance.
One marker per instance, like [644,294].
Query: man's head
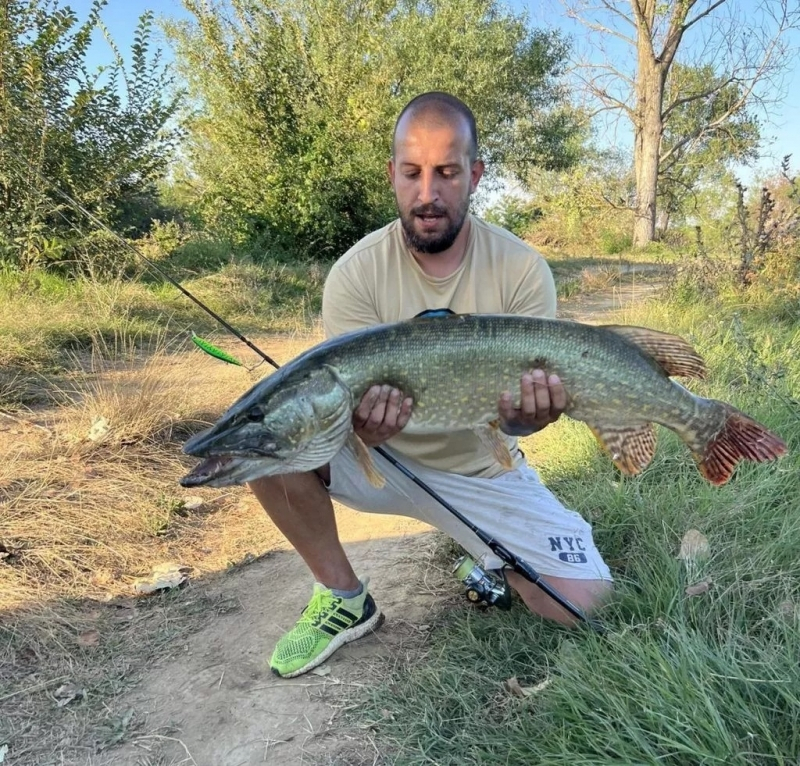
[434,169]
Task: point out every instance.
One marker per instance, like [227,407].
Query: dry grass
[597,279]
[106,405]
[81,519]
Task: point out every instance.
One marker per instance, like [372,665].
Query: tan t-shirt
[378,281]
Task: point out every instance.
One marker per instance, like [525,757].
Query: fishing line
[511,560]
[154,266]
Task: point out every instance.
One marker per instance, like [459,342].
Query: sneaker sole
[345,637]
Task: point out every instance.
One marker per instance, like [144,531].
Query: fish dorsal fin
[631,447]
[435,313]
[672,353]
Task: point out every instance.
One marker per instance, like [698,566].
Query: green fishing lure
[212,350]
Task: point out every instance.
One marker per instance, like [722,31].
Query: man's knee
[587,595]
[290,488]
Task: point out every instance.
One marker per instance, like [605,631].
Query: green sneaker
[327,623]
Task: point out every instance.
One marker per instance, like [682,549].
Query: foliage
[698,146]
[102,137]
[768,230]
[513,213]
[584,208]
[293,106]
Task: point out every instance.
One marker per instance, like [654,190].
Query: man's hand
[543,400]
[382,413]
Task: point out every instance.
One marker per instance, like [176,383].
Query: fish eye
[255,414]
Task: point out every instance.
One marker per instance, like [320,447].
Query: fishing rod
[481,586]
[152,264]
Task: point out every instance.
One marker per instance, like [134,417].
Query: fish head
[297,425]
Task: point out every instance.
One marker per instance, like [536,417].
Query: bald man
[436,255]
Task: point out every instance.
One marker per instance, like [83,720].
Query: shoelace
[320,603]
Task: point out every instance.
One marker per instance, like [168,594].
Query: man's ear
[390,170]
[477,171]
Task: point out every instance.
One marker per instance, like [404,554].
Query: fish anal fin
[631,447]
[741,438]
[365,461]
[672,353]
[492,438]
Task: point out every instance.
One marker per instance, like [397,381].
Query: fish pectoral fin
[365,461]
[492,438]
[631,447]
[672,353]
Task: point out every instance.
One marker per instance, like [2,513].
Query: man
[437,255]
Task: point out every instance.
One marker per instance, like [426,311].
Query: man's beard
[433,243]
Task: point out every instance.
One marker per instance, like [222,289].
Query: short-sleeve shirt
[379,281]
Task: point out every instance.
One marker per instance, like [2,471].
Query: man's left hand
[543,399]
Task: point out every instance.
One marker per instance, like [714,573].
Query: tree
[685,166]
[744,49]
[294,103]
[103,137]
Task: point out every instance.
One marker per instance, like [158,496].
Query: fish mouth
[199,443]
[216,443]
[212,469]
[230,470]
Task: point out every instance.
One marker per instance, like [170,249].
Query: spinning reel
[482,586]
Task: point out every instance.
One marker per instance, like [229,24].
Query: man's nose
[428,191]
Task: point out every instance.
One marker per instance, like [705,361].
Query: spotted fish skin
[455,368]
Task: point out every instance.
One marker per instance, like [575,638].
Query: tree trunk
[647,143]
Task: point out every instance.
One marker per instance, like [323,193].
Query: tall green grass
[678,679]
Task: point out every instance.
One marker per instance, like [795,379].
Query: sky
[781,126]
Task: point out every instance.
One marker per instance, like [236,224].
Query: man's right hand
[382,414]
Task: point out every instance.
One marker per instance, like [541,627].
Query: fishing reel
[488,587]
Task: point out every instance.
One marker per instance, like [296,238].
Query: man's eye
[411,174]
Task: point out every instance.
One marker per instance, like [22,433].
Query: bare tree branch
[711,8]
[616,11]
[608,101]
[596,27]
[612,204]
[695,97]
[607,71]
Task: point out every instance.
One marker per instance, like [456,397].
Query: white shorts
[516,509]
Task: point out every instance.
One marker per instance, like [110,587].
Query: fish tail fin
[741,438]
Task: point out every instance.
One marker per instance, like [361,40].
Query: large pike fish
[455,368]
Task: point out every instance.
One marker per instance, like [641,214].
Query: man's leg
[585,594]
[300,507]
[340,609]
[516,509]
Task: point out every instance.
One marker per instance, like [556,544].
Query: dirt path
[217,704]
[218,701]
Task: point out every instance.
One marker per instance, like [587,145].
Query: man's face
[433,179]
